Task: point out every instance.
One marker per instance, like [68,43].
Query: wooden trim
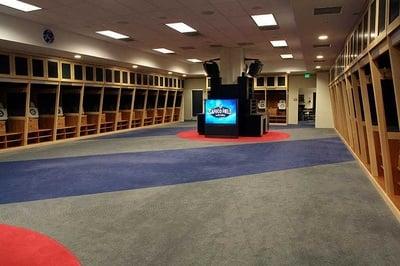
[376,80]
[368,123]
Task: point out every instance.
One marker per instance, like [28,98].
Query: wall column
[231,64]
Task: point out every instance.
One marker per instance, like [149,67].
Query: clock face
[1,113]
[48,36]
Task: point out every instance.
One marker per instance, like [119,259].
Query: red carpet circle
[23,247]
[270,136]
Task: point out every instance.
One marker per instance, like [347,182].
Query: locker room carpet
[302,201]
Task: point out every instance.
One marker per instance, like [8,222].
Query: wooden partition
[161,105]
[45,99]
[13,98]
[150,110]
[365,95]
[110,110]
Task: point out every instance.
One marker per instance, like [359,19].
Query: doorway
[197,102]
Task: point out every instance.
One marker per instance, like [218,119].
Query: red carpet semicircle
[23,247]
[270,136]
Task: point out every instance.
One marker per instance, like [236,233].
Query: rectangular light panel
[280,43]
[19,5]
[264,20]
[194,60]
[286,56]
[181,27]
[112,34]
[163,50]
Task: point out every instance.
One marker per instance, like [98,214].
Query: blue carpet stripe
[52,178]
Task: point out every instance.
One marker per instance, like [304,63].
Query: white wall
[298,83]
[324,118]
[20,31]
[192,84]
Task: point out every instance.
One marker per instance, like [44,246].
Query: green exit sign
[307,75]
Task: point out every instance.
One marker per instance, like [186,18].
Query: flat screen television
[221,112]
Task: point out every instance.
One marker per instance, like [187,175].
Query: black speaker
[255,68]
[211,68]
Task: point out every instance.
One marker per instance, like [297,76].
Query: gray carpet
[321,215]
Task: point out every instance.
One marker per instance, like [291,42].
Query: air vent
[216,46]
[191,34]
[276,27]
[208,12]
[245,43]
[327,45]
[319,61]
[187,48]
[127,40]
[327,10]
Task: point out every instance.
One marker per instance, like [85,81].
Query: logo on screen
[220,112]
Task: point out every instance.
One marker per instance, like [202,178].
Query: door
[197,102]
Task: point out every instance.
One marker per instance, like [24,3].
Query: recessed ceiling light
[135,66]
[170,73]
[323,37]
[279,43]
[264,20]
[288,72]
[181,27]
[286,56]
[19,5]
[112,34]
[184,75]
[320,57]
[77,56]
[194,60]
[318,67]
[163,50]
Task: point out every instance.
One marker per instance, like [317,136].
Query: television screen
[221,112]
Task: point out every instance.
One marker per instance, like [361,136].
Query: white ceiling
[229,25]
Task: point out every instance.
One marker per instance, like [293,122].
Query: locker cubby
[38,68]
[12,118]
[78,72]
[89,73]
[110,106]
[177,107]
[53,69]
[170,106]
[125,106]
[276,115]
[145,80]
[150,107]
[132,78]
[66,71]
[5,66]
[90,120]
[68,114]
[140,98]
[43,98]
[259,102]
[21,65]
[162,97]
[389,99]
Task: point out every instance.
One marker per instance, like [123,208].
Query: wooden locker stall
[91,114]
[125,108]
[139,105]
[110,113]
[12,114]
